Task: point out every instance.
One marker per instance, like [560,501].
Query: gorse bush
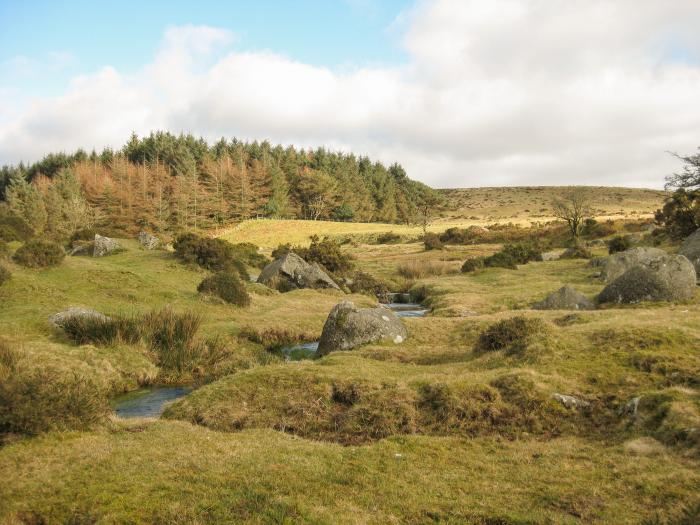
[512,335]
[226,285]
[84,234]
[34,400]
[366,283]
[432,242]
[619,244]
[212,254]
[249,254]
[327,252]
[388,238]
[38,253]
[509,257]
[472,264]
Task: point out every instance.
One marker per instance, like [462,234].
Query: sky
[462,93]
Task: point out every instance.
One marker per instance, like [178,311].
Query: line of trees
[173,183]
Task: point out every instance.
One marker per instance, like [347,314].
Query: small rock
[148,241]
[551,256]
[58,319]
[631,407]
[566,298]
[104,246]
[571,401]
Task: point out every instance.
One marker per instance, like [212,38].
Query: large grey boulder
[348,327]
[615,265]
[58,319]
[291,272]
[148,241]
[104,246]
[666,278]
[566,298]
[690,249]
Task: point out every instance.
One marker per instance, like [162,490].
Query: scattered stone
[615,265]
[665,278]
[104,246]
[291,272]
[631,407]
[569,319]
[148,241]
[348,327]
[691,250]
[58,319]
[566,298]
[81,248]
[551,256]
[571,401]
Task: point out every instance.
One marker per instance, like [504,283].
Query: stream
[151,401]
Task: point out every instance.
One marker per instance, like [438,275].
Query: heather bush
[432,242]
[212,254]
[226,285]
[38,253]
[619,244]
[472,264]
[511,335]
[366,283]
[388,238]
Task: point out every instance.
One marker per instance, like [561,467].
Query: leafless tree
[573,208]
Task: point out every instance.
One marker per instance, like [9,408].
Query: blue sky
[461,92]
[44,43]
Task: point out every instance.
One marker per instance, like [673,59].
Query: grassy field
[430,431]
[463,207]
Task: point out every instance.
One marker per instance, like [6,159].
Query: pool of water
[148,402]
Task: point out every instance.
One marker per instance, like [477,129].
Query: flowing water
[148,402]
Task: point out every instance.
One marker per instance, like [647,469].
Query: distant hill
[533,203]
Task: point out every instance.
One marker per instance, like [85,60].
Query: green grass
[431,430]
[171,472]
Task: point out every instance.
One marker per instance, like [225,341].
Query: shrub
[328,254]
[619,244]
[39,254]
[513,254]
[388,238]
[14,228]
[368,284]
[249,254]
[512,335]
[212,254]
[472,264]
[432,242]
[84,234]
[577,251]
[227,286]
[5,275]
[681,213]
[34,400]
[4,250]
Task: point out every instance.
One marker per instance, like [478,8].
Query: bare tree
[573,208]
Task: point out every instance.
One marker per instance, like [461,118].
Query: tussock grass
[422,269]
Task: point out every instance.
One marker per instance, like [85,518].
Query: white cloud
[495,92]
